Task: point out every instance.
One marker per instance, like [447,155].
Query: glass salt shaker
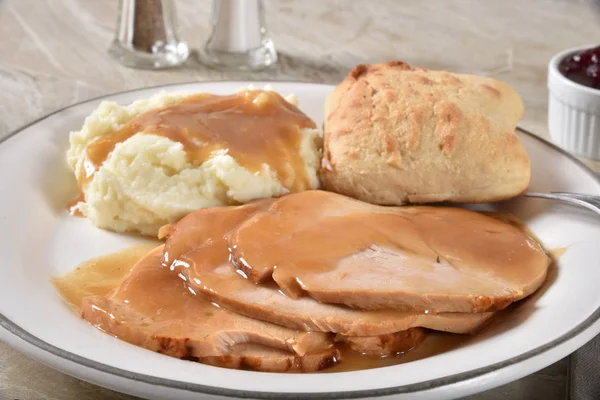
[146,35]
[239,38]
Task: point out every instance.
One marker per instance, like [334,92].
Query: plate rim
[19,332]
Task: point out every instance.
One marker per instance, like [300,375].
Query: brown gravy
[314,249]
[435,343]
[198,251]
[441,342]
[99,275]
[513,220]
[102,274]
[255,127]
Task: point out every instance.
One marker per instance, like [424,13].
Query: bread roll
[396,134]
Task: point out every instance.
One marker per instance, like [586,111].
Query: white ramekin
[573,111]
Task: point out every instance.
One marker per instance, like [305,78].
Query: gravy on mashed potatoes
[148,164]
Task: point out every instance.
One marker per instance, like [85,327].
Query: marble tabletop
[54,54]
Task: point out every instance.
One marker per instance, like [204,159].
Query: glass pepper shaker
[239,38]
[146,35]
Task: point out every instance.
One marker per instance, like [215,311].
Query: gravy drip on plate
[256,127]
[99,275]
[435,343]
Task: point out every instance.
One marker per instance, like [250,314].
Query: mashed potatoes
[147,180]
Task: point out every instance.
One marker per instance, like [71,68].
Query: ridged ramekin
[573,111]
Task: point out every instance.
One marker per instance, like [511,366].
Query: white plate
[40,240]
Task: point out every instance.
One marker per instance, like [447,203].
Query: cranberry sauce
[583,67]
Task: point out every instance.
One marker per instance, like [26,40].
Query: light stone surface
[54,54]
